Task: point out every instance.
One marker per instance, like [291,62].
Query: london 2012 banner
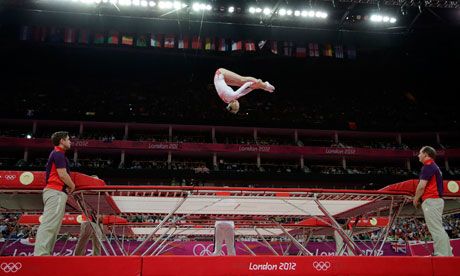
[191,248]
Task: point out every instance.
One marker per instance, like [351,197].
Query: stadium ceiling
[412,3]
[375,15]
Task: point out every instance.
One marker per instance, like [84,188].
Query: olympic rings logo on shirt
[321,266]
[10,267]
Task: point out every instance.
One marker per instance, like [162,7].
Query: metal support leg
[266,242]
[248,249]
[384,230]
[296,242]
[64,246]
[286,252]
[310,234]
[109,240]
[391,222]
[178,205]
[346,239]
[120,246]
[155,242]
[160,247]
[178,233]
[123,240]
[82,204]
[99,223]
[163,248]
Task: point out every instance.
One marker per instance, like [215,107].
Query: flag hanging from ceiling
[274,47]
[249,46]
[156,40]
[338,51]
[183,43]
[99,38]
[141,41]
[170,41]
[222,45]
[83,37]
[69,35]
[196,43]
[313,49]
[327,50]
[127,40]
[113,38]
[25,33]
[301,51]
[237,45]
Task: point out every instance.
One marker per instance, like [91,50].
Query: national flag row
[171,41]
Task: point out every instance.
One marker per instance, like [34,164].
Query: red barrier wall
[230,265]
[71,266]
[267,265]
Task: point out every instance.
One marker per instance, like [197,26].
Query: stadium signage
[81,143]
[283,266]
[166,146]
[350,151]
[254,148]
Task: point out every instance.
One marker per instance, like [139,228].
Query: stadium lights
[253,10]
[378,18]
[320,14]
[125,2]
[201,7]
[179,5]
[169,5]
[302,13]
[89,2]
[163,5]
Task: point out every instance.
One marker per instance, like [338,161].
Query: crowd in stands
[109,136]
[454,171]
[10,229]
[148,137]
[413,229]
[191,139]
[230,165]
[374,145]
